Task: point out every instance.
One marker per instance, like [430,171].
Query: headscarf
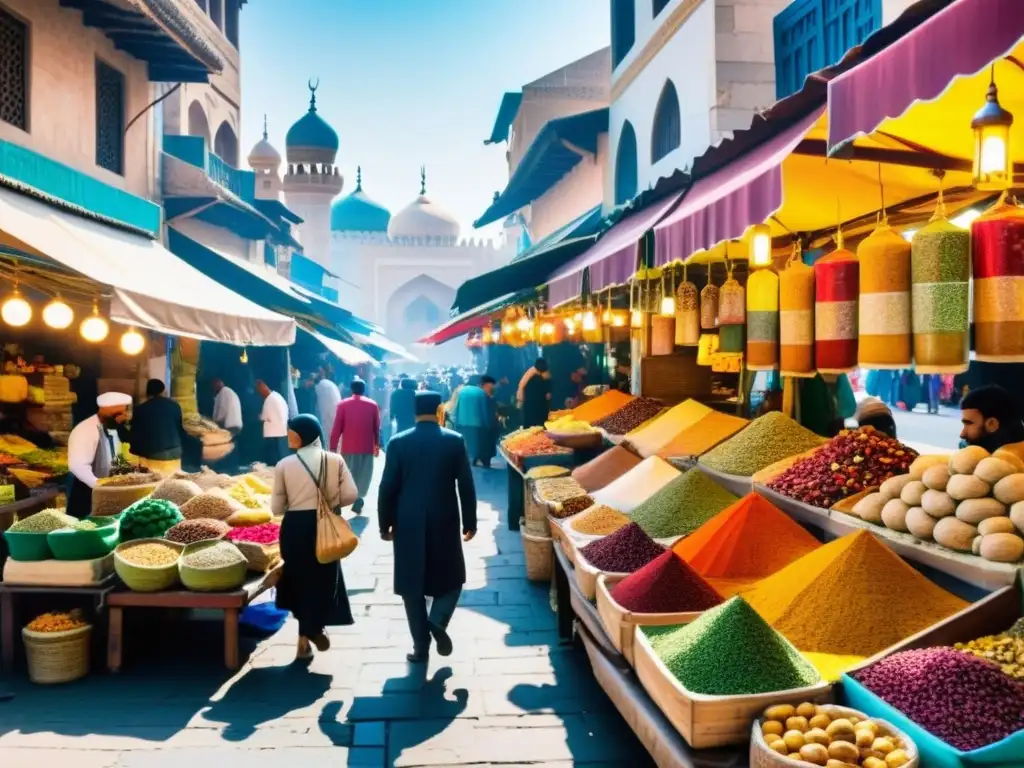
[307,427]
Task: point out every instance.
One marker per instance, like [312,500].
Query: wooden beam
[576,150]
[907,158]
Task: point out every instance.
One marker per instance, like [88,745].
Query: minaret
[312,180]
[266,162]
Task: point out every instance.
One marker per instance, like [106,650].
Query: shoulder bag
[335,539]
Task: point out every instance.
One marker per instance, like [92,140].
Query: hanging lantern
[997,243]
[796,318]
[58,314]
[132,342]
[993,167]
[884,305]
[761,246]
[244,357]
[940,263]
[668,298]
[94,328]
[763,320]
[15,310]
[590,321]
[486,336]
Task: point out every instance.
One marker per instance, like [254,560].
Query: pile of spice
[682,506]
[536,444]
[176,491]
[1004,649]
[650,438]
[636,486]
[851,596]
[749,540]
[44,522]
[267,533]
[605,469]
[152,554]
[704,435]
[630,416]
[548,470]
[599,520]
[512,441]
[728,651]
[214,554]
[200,529]
[665,585]
[602,406]
[57,622]
[766,440]
[557,489]
[132,478]
[570,507]
[852,461]
[965,701]
[628,549]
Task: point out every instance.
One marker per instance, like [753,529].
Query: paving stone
[370,734]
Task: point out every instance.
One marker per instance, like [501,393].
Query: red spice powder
[665,585]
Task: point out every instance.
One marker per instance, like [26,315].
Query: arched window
[626,165]
[197,122]
[657,6]
[667,132]
[225,144]
[623,29]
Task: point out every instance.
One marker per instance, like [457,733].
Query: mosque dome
[263,152]
[311,138]
[423,218]
[358,213]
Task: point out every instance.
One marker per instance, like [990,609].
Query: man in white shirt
[227,408]
[92,447]
[275,424]
[327,398]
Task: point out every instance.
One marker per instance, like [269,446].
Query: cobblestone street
[509,695]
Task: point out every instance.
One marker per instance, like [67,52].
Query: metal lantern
[993,170]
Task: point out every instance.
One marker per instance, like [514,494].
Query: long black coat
[418,502]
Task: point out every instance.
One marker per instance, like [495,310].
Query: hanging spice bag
[997,250]
[709,305]
[940,260]
[836,281]
[796,319]
[662,335]
[885,337]
[687,314]
[732,311]
[763,320]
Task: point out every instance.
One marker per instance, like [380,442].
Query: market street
[509,694]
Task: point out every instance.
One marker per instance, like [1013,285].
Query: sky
[407,83]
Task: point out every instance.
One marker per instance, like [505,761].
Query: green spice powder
[728,651]
[766,440]
[682,506]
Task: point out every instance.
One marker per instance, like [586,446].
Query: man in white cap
[92,447]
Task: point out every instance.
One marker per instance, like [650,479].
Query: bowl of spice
[628,549]
[212,566]
[27,539]
[147,565]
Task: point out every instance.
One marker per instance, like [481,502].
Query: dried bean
[572,506]
[556,489]
[628,549]
[600,520]
[630,416]
[200,529]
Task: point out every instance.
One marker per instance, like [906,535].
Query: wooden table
[231,603]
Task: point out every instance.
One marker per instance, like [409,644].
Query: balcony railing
[193,150]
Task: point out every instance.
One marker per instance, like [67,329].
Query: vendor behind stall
[157,433]
[991,418]
[92,447]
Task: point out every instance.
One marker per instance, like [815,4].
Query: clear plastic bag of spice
[732,303]
[709,307]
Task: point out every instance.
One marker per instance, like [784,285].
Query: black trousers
[441,611]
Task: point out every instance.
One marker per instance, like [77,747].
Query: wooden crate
[709,721]
[621,624]
[586,576]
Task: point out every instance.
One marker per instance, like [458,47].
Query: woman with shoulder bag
[312,590]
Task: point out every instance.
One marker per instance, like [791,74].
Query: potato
[781,712]
[1017,516]
[921,464]
[865,737]
[883,744]
[996,525]
[893,487]
[938,504]
[976,545]
[992,470]
[794,740]
[815,754]
[820,721]
[769,727]
[936,477]
[873,762]
[844,751]
[920,523]
[869,509]
[894,515]
[962,487]
[817,736]
[897,758]
[954,534]
[912,492]
[779,746]
[806,710]
[797,723]
[1010,458]
[869,725]
[1002,547]
[832,763]
[966,459]
[973,511]
[1010,489]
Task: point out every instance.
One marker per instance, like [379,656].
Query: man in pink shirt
[356,436]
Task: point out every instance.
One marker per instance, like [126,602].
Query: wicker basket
[225,578]
[115,499]
[146,578]
[540,559]
[535,510]
[762,757]
[261,557]
[57,657]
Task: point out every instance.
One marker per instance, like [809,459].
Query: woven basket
[535,511]
[540,560]
[225,578]
[114,500]
[261,557]
[57,657]
[146,578]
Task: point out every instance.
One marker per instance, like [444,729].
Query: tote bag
[335,538]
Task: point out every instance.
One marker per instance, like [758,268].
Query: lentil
[940,307]
[605,469]
[940,270]
[730,650]
[1004,649]
[687,315]
[44,522]
[836,288]
[150,553]
[768,439]
[885,331]
[731,303]
[557,489]
[963,700]
[547,471]
[630,416]
[199,529]
[682,506]
[571,507]
[628,549]
[665,585]
[213,554]
[851,596]
[599,520]
[796,319]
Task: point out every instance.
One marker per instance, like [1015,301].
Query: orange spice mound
[602,406]
[704,435]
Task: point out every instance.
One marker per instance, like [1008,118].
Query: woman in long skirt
[314,592]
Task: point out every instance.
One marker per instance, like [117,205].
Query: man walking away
[403,405]
[275,424]
[327,398]
[426,480]
[476,420]
[227,408]
[356,436]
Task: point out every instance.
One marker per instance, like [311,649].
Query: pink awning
[961,39]
[612,259]
[722,205]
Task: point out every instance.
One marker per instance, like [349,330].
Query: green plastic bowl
[28,547]
[86,545]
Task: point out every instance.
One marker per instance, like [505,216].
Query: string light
[94,328]
[16,311]
[589,321]
[761,246]
[244,357]
[132,342]
[58,314]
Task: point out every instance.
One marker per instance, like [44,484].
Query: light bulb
[636,319]
[133,342]
[507,329]
[619,320]
[570,326]
[244,357]
[668,306]
[57,314]
[94,328]
[589,321]
[524,324]
[486,336]
[547,330]
[16,311]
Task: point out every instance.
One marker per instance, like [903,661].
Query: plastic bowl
[86,545]
[27,547]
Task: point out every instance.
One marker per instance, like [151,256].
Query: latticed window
[109,118]
[13,70]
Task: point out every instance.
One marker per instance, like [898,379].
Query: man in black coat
[157,433]
[418,508]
